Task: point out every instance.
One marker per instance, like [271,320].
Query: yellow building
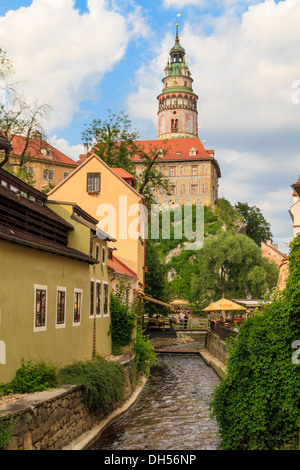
[100,191]
[54,283]
[43,162]
[192,171]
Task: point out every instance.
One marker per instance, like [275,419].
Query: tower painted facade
[177,104]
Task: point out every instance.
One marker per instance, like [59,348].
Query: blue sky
[85,57]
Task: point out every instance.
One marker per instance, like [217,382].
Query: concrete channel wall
[59,419]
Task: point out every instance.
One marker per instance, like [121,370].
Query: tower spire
[177,111]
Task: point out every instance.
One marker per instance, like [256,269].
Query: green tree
[229,265]
[116,143]
[155,278]
[122,325]
[257,404]
[257,227]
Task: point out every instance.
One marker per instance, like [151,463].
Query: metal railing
[222,331]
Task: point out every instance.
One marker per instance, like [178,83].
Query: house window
[97,251]
[182,189]
[45,174]
[98,298]
[194,188]
[172,171]
[172,190]
[103,255]
[194,170]
[40,305]
[92,298]
[204,188]
[66,175]
[93,182]
[77,306]
[105,298]
[61,306]
[51,175]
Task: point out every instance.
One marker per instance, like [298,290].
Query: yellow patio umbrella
[222,305]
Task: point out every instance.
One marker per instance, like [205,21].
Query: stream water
[172,412]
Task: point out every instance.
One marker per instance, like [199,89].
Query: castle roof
[176,150]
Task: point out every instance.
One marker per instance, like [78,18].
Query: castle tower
[177,108]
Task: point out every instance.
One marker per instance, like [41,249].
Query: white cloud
[61,55]
[72,151]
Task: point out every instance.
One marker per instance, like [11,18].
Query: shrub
[145,356]
[31,377]
[257,405]
[103,382]
[122,324]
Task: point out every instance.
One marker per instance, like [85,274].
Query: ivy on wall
[257,405]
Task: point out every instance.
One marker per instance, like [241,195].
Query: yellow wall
[21,269]
[74,189]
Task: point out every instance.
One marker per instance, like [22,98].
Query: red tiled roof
[118,267]
[123,173]
[176,149]
[34,150]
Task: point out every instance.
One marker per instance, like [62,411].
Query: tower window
[174,125]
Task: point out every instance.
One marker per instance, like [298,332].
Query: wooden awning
[148,298]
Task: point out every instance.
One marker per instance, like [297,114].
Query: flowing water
[172,412]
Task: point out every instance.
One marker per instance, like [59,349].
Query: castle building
[192,171]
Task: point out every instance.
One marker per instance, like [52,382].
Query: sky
[84,57]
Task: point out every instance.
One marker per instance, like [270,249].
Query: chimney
[269,242]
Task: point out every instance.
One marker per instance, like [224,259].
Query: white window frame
[43,327]
[108,312]
[77,291]
[97,281]
[61,289]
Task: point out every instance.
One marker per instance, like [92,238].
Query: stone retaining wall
[50,420]
[216,346]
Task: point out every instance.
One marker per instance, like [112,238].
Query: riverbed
[172,412]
